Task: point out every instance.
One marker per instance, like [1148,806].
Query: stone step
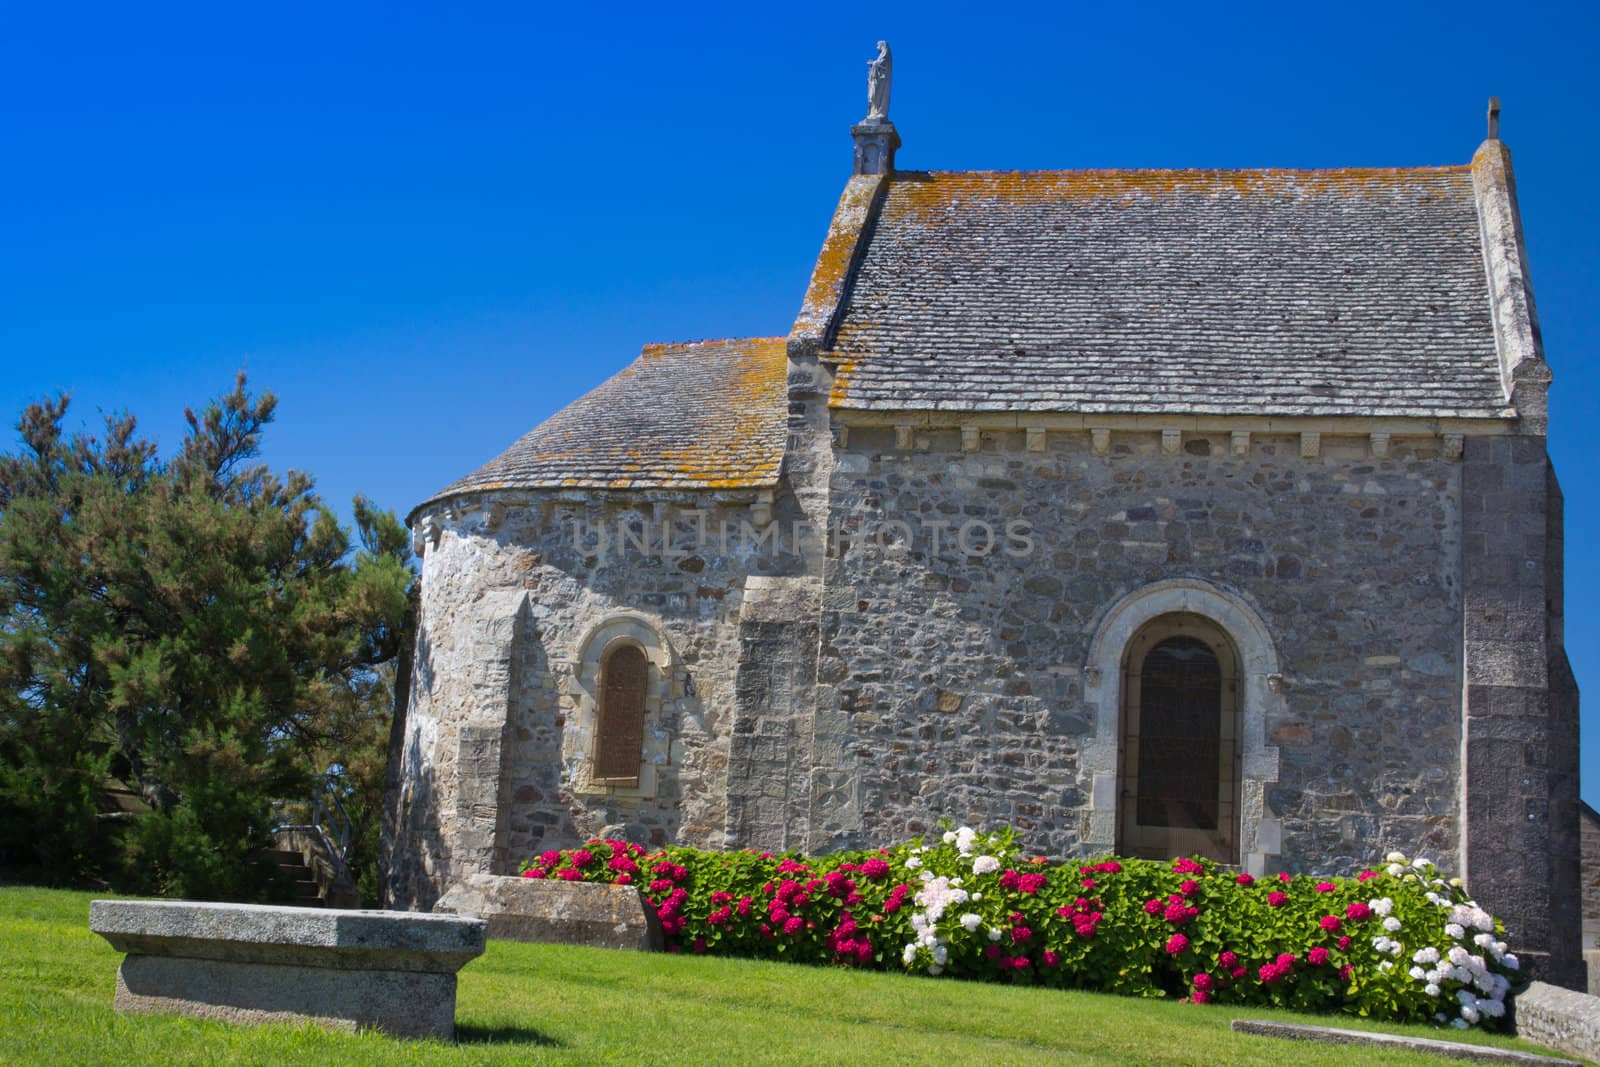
[282,856]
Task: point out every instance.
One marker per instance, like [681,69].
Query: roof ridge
[1441,168]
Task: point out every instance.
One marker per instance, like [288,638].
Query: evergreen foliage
[196,627]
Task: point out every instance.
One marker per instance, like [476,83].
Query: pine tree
[199,627]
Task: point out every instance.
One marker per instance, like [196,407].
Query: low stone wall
[1559,1019]
[1591,960]
[248,963]
[557,912]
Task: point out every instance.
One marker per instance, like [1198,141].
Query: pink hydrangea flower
[1285,877]
[1345,972]
[1152,907]
[1364,875]
[793,925]
[1203,982]
[1246,880]
[1326,887]
[1317,956]
[1176,944]
[624,879]
[875,868]
[550,857]
[1188,866]
[1228,960]
[533,872]
[1357,911]
[1344,944]
[1276,899]
[570,874]
[1201,996]
[582,858]
[1330,923]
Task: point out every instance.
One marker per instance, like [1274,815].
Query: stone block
[1560,1019]
[249,963]
[1455,1050]
[557,912]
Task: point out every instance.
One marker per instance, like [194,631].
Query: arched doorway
[1179,744]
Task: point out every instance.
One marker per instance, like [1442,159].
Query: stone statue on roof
[878,71]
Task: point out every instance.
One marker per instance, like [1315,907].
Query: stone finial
[875,136]
[1494,118]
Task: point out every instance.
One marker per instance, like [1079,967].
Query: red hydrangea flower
[1345,972]
[570,874]
[1331,923]
[1228,960]
[1188,866]
[1010,880]
[699,944]
[1019,934]
[1317,956]
[1152,907]
[1326,887]
[582,858]
[533,872]
[624,879]
[793,925]
[1052,958]
[1357,911]
[875,868]
[1344,944]
[1203,982]
[1200,996]
[1364,875]
[1285,877]
[1032,883]
[1188,887]
[1245,879]
[1176,944]
[550,858]
[1276,899]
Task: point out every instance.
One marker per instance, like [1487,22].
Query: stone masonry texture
[883,570]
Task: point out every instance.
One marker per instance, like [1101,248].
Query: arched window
[619,729]
[1180,741]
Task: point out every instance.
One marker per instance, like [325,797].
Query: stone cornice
[1331,425]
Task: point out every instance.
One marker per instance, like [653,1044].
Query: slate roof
[695,415]
[1251,292]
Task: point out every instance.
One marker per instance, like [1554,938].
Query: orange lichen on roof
[838,253]
[928,194]
[694,415]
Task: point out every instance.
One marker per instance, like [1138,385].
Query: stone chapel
[1162,512]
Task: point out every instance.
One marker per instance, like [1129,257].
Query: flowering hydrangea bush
[1398,942]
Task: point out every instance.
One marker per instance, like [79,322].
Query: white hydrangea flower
[1395,857]
[1391,924]
[1386,967]
[1425,955]
[971,922]
[955,881]
[909,953]
[1471,1015]
[1459,955]
[1494,1009]
[977,897]
[965,836]
[1464,997]
[912,863]
[1455,931]
[1511,961]
[985,865]
[1394,869]
[1481,940]
[1432,989]
[941,955]
[994,935]
[1459,1024]
[1418,973]
[949,837]
[1383,905]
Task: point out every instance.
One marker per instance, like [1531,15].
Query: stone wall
[954,686]
[515,602]
[1590,823]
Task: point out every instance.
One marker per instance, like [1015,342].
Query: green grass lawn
[537,1004]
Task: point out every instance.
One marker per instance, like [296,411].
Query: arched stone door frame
[1261,698]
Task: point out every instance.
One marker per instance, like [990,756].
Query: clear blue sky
[427,230]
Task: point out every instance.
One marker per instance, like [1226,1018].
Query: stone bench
[248,963]
[557,912]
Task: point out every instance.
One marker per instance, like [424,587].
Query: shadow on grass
[504,1035]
